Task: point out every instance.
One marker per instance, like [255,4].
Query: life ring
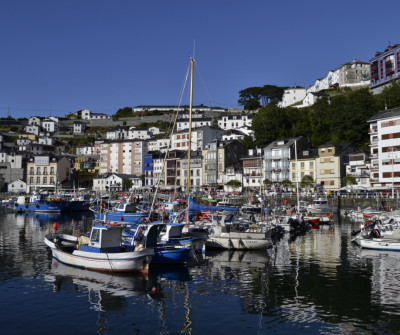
[181,218]
[328,214]
[284,201]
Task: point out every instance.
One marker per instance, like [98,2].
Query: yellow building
[306,166]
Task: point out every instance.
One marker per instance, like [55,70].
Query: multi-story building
[172,170]
[86,150]
[86,168]
[359,167]
[292,96]
[385,149]
[140,133]
[253,169]
[200,137]
[12,164]
[228,122]
[48,171]
[183,124]
[306,165]
[196,171]
[217,157]
[331,163]
[50,125]
[121,156]
[384,68]
[277,156]
[117,133]
[354,73]
[160,144]
[150,177]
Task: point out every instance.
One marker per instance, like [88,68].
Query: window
[95,237]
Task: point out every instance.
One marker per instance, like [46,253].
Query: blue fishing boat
[165,252]
[39,203]
[124,213]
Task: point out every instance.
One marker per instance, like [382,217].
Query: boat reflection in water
[385,277]
[112,284]
[237,259]
[43,218]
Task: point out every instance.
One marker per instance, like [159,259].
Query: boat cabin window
[95,237]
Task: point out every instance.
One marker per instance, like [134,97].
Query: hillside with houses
[232,149]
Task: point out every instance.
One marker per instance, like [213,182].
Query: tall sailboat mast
[190,127]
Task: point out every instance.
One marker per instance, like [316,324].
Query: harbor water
[319,283]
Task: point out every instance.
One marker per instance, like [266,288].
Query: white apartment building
[139,133]
[50,125]
[160,144]
[292,95]
[85,150]
[117,133]
[235,121]
[183,124]
[385,149]
[359,167]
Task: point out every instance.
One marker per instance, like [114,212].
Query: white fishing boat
[389,244]
[320,206]
[103,250]
[224,233]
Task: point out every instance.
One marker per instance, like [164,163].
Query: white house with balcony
[277,156]
[359,167]
[159,144]
[384,130]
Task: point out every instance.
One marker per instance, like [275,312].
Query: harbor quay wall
[347,203]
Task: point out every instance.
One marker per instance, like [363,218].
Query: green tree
[349,181]
[269,124]
[267,183]
[286,183]
[124,112]
[234,183]
[306,182]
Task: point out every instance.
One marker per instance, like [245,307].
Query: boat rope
[109,261]
[169,146]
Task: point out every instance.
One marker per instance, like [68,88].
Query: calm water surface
[317,284]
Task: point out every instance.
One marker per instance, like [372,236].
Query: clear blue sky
[60,56]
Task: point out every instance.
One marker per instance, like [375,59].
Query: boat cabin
[126,207]
[104,239]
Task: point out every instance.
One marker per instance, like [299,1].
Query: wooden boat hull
[101,261]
